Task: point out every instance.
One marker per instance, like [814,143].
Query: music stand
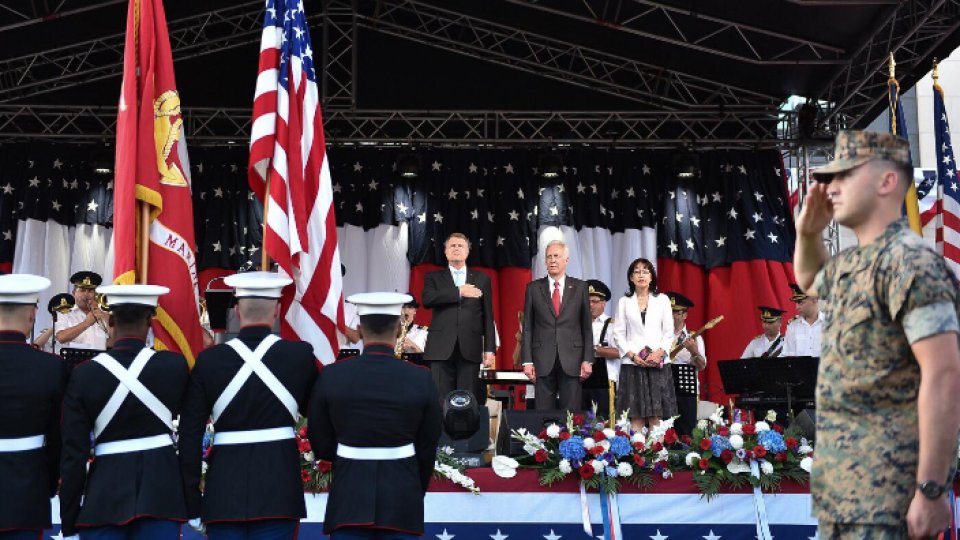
[72,357]
[598,377]
[739,376]
[788,376]
[347,353]
[684,379]
[415,358]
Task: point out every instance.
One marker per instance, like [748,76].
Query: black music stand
[739,376]
[72,357]
[684,379]
[415,358]
[790,377]
[347,353]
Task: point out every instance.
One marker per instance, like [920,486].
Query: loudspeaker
[533,421]
[807,422]
[476,443]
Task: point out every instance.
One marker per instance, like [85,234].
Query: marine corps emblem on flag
[167,122]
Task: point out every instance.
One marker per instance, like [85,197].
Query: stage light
[686,164]
[461,414]
[408,165]
[550,164]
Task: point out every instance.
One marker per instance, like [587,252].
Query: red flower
[540,456]
[578,419]
[657,447]
[780,457]
[638,459]
[791,443]
[325,466]
[596,450]
[726,455]
[778,428]
[724,431]
[302,432]
[759,451]
[704,464]
[750,455]
[304,475]
[749,429]
[638,446]
[564,435]
[670,436]
[303,445]
[586,471]
[599,436]
[622,434]
[705,443]
[542,435]
[686,439]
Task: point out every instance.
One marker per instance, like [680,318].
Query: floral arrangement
[449,467]
[316,474]
[600,454]
[721,454]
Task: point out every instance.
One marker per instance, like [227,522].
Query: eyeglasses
[642,272]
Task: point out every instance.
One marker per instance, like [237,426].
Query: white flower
[637,437]
[625,469]
[806,463]
[762,426]
[308,456]
[175,423]
[663,455]
[766,467]
[609,433]
[565,466]
[736,428]
[738,466]
[448,450]
[771,416]
[203,467]
[805,449]
[605,445]
[553,431]
[667,474]
[589,443]
[702,424]
[736,441]
[530,449]
[599,465]
[692,458]
[505,467]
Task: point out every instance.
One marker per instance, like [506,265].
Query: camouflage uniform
[881,298]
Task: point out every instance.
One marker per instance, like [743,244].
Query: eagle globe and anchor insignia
[167,122]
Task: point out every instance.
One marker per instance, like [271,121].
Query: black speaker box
[478,442]
[533,421]
[807,422]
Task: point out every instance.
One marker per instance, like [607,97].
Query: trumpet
[404,327]
[102,304]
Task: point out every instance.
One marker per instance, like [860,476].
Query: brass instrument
[102,304]
[709,325]
[404,327]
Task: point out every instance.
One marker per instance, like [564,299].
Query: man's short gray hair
[561,243]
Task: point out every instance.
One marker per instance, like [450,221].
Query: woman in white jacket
[643,328]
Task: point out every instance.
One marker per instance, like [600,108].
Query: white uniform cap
[257,284]
[379,303]
[22,288]
[144,295]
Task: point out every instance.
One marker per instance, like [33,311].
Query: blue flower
[772,441]
[620,446]
[572,448]
[719,443]
[611,471]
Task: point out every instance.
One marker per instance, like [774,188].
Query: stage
[520,509]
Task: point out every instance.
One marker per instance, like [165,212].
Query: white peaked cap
[379,303]
[144,295]
[22,288]
[257,284]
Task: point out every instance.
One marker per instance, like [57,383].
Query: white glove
[196,525]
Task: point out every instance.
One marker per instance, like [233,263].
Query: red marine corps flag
[153,211]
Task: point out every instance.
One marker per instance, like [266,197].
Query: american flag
[288,154]
[948,241]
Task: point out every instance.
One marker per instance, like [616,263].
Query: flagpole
[938,231]
[265,258]
[144,243]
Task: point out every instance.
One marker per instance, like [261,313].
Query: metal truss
[80,63]
[63,9]
[913,31]
[557,59]
[682,27]
[339,82]
[232,126]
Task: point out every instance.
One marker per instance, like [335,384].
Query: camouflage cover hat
[854,148]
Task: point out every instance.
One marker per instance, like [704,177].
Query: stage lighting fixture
[686,164]
[408,165]
[550,164]
[461,414]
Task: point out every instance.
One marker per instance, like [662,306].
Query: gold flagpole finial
[892,66]
[936,70]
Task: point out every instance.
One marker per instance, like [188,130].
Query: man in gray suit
[557,333]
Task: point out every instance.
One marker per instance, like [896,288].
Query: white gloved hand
[197,525]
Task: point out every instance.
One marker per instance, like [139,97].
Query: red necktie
[556,297]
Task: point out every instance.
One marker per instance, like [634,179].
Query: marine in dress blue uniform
[31,391]
[252,388]
[127,398]
[378,419]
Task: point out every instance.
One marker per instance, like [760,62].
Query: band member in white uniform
[803,334]
[769,344]
[84,326]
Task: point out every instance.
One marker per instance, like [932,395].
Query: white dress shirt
[562,281]
[803,338]
[418,335]
[758,346]
[684,356]
[352,319]
[613,364]
[94,337]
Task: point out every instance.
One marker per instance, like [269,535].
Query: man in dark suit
[128,398]
[253,387]
[557,350]
[378,419]
[31,393]
[461,332]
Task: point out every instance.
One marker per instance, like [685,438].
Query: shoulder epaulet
[611,319]
[424,327]
[758,337]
